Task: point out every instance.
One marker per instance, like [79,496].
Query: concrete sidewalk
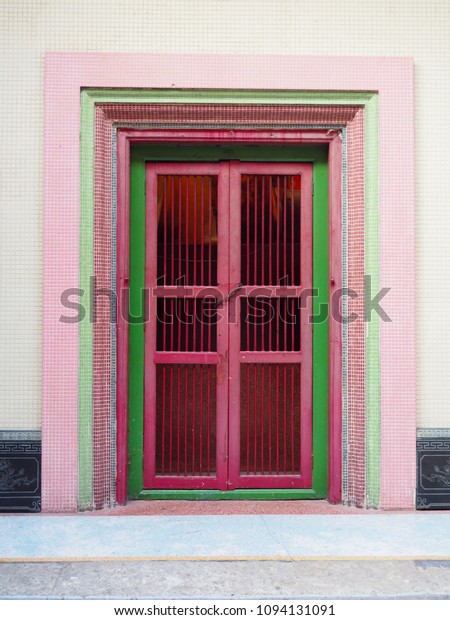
[325,579]
[368,555]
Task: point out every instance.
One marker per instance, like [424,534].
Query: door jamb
[125,139]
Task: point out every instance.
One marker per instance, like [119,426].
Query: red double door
[228,348]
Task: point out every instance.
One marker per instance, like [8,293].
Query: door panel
[228,366]
[270,414]
[186,391]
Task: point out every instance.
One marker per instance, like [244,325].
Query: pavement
[281,552]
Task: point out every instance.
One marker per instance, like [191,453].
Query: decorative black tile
[20,471]
[433,473]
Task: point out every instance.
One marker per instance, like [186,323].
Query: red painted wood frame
[274,358]
[179,451]
[125,138]
[210,361]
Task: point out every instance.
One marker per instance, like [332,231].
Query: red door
[228,349]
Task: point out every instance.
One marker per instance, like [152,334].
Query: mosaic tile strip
[102,474]
[145,112]
[396,226]
[356,431]
[372,268]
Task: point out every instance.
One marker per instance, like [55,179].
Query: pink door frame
[127,137]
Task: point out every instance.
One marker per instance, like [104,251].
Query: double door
[228,347]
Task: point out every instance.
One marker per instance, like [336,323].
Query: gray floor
[393,579]
[369,556]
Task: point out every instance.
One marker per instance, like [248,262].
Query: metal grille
[187,230]
[186,421]
[270,419]
[185,324]
[270,324]
[270,229]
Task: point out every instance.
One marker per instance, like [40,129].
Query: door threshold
[181,507]
[235,494]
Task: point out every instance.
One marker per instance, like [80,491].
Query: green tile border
[90,98]
[318,155]
[372,343]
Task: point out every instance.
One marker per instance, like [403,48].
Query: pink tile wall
[66,73]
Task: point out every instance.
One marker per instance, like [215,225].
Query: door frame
[292,138]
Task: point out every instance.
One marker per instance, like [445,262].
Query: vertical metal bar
[247,180]
[180,198]
[195,229]
[179,320]
[186,386]
[255,422]
[210,186]
[278,330]
[270,418]
[170,419]
[186,321]
[278,230]
[263,412]
[277,414]
[165,227]
[172,328]
[285,253]
[255,233]
[292,270]
[297,382]
[194,385]
[172,324]
[178,418]
[210,231]
[208,429]
[270,230]
[186,233]
[247,261]
[172,227]
[263,249]
[247,389]
[270,327]
[201,422]
[284,226]
[202,235]
[255,328]
[285,420]
[163,423]
[292,421]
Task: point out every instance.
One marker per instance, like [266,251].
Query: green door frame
[318,156]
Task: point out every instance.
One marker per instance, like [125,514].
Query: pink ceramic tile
[392,78]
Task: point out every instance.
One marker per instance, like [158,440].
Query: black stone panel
[20,473]
[433,473]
